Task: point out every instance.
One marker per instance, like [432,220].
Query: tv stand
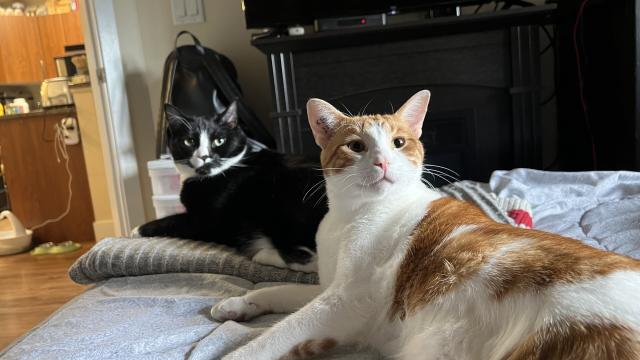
[483,70]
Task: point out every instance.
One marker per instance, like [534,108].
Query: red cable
[581,82]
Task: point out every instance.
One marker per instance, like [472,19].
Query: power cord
[60,148]
[583,101]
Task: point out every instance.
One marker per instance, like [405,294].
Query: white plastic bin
[165,178]
[166,205]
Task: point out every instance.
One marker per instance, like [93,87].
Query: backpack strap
[168,76]
[196,42]
[169,73]
[232,92]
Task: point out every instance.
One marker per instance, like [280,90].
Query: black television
[284,13]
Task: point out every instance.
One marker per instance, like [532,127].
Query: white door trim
[112,109]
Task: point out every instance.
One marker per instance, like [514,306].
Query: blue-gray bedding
[160,315]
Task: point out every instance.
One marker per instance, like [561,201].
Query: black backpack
[201,81]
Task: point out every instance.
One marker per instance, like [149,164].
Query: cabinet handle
[42,70]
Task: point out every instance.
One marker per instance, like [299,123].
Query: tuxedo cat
[264,204]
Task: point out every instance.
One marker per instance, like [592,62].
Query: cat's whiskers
[435,171]
[440,173]
[351,184]
[426,182]
[317,186]
[320,199]
[322,169]
[344,180]
[452,179]
[442,167]
[348,111]
[365,108]
[437,175]
[186,123]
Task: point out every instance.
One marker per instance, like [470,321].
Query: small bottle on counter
[1,109]
[21,104]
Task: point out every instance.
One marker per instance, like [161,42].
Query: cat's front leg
[177,225]
[276,299]
[333,318]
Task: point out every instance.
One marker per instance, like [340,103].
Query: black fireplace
[483,72]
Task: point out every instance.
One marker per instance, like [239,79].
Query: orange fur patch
[336,156]
[580,342]
[309,348]
[433,267]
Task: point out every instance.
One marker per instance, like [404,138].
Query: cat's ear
[174,115]
[414,110]
[230,116]
[323,119]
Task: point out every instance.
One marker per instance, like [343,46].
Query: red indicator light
[363,21]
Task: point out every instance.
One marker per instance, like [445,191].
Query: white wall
[147,34]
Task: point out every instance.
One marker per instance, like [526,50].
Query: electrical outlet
[70,130]
[187,11]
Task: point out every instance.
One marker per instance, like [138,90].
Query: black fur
[262,196]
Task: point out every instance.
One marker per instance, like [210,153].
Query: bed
[150,298]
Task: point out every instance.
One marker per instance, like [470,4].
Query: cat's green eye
[356,146]
[189,141]
[218,142]
[399,142]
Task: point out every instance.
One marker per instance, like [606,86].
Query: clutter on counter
[50,7]
[17,106]
[39,112]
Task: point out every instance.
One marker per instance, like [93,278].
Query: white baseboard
[103,229]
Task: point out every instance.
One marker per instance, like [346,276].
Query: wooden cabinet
[56,32]
[2,71]
[37,182]
[53,41]
[20,49]
[72,28]
[30,43]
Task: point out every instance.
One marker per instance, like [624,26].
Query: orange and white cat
[421,276]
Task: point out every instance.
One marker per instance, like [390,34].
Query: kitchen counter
[59,110]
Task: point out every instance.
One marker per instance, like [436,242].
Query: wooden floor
[33,287]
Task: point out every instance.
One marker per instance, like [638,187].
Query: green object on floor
[52,248]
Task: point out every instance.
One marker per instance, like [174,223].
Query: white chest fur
[352,242]
[360,252]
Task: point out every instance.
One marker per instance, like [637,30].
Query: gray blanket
[115,257]
[163,316]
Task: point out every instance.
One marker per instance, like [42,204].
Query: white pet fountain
[16,240]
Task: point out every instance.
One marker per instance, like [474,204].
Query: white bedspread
[600,208]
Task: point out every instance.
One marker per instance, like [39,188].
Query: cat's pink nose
[382,164]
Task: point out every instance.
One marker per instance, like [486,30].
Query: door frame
[112,109]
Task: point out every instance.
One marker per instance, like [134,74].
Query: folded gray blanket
[115,257]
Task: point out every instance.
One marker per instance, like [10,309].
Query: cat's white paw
[310,267]
[270,257]
[135,233]
[235,308]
